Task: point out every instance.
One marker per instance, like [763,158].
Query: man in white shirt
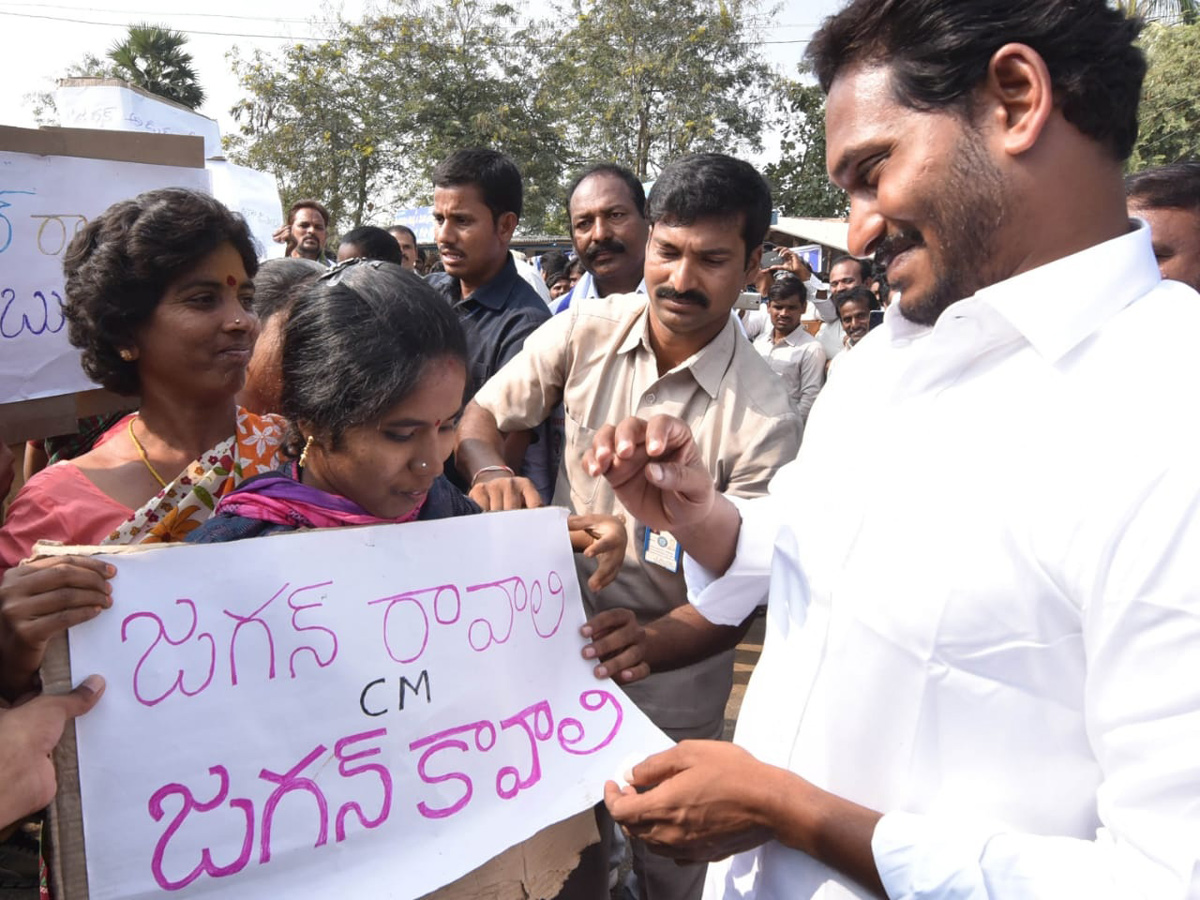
[979,677]
[792,353]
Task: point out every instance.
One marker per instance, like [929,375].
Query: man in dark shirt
[477,197]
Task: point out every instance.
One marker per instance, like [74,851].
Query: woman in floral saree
[159,297]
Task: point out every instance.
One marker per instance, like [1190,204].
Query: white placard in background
[44,201]
[358,712]
[111,107]
[255,195]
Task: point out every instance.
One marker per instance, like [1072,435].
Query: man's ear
[506,225]
[1020,93]
[753,264]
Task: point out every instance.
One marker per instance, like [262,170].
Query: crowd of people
[977,676]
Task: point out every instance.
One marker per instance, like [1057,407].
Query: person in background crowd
[552,261]
[972,683]
[159,299]
[575,271]
[306,230]
[675,348]
[369,242]
[606,206]
[276,286]
[844,273]
[407,239]
[854,306]
[1168,199]
[477,202]
[559,283]
[791,352]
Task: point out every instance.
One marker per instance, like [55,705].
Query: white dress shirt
[996,640]
[799,360]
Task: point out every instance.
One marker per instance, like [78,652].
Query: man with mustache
[972,684]
[674,349]
[306,230]
[607,208]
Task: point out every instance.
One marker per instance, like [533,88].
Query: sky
[42,38]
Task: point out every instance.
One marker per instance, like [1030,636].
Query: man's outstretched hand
[655,470]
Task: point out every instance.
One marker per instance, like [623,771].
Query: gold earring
[304,453]
[126,354]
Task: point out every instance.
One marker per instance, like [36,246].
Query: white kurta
[995,638]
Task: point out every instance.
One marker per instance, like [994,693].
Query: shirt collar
[586,287]
[708,365]
[1057,306]
[494,294]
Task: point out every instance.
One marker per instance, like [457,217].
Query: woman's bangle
[510,472]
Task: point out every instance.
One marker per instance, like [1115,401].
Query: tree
[641,82]
[799,181]
[364,117]
[153,58]
[45,110]
[1169,115]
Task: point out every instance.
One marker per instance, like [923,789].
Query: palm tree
[1169,12]
[153,58]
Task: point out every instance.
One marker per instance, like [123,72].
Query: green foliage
[153,58]
[366,116]
[799,182]
[1169,116]
[641,82]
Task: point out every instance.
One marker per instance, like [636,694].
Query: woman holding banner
[159,295]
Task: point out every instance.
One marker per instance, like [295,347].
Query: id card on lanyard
[661,548]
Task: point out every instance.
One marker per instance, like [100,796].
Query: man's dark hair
[373,243]
[938,52]
[496,176]
[636,192]
[412,234]
[712,186]
[860,293]
[864,266]
[1175,186]
[554,261]
[309,204]
[787,285]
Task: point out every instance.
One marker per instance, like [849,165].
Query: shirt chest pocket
[578,441]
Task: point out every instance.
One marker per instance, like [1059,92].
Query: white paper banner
[253,194]
[44,201]
[360,712]
[111,107]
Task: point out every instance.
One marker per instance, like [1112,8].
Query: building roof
[830,232]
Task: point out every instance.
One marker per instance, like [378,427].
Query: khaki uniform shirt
[596,359]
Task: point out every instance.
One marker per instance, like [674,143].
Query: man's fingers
[657,768]
[598,457]
[664,435]
[80,608]
[80,700]
[58,566]
[630,435]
